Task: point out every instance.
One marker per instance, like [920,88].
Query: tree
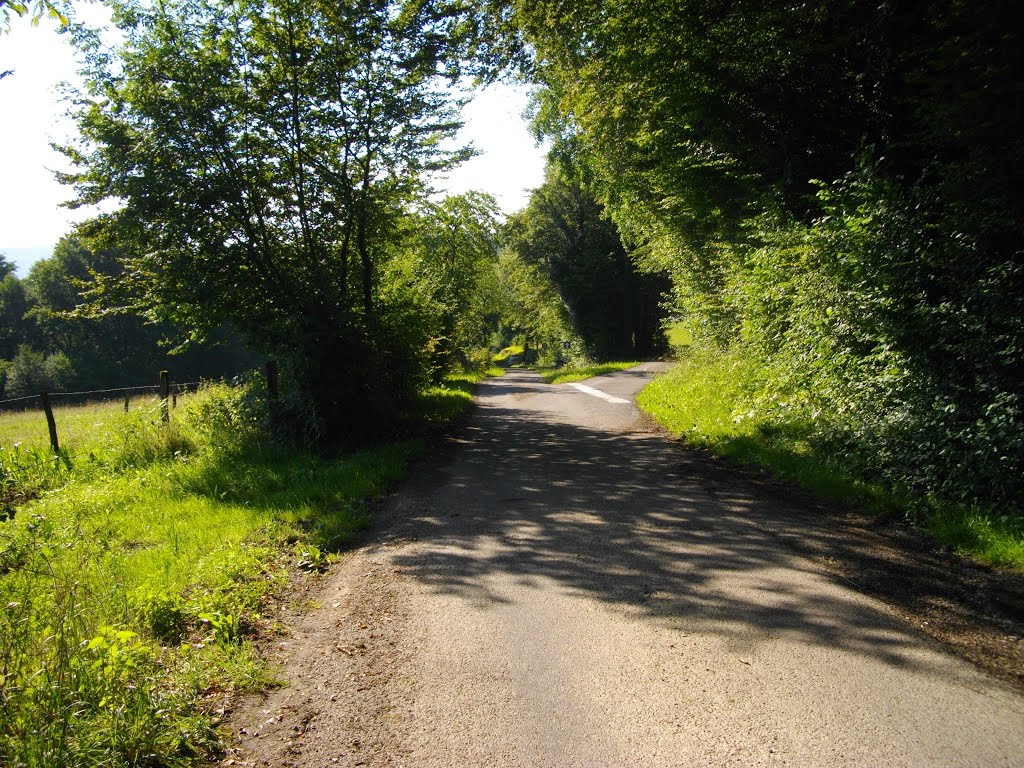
[31,372]
[112,349]
[13,306]
[7,267]
[613,309]
[265,152]
[39,9]
[531,309]
[455,246]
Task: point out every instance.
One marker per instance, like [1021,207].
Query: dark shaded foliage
[614,309]
[835,189]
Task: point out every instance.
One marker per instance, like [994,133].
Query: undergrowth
[135,573]
[447,400]
[711,400]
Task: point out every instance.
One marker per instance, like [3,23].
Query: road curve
[568,588]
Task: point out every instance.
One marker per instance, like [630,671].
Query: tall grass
[79,427]
[91,436]
[706,400]
[132,585]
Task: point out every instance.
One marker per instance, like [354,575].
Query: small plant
[26,471]
[163,614]
[310,558]
[226,627]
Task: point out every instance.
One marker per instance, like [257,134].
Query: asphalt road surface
[570,588]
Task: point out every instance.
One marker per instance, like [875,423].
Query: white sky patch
[510,164]
[598,393]
[32,116]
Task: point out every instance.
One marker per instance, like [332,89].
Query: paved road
[570,589]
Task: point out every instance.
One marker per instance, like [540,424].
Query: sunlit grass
[579,373]
[80,428]
[507,352]
[702,399]
[132,585]
[678,335]
[453,396]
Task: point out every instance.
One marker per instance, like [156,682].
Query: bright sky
[32,115]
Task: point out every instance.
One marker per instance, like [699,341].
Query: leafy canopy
[264,152]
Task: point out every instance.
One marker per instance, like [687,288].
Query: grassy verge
[444,402]
[133,586]
[503,357]
[702,401]
[579,373]
[678,335]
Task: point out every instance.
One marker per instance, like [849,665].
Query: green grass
[132,587]
[507,352]
[579,373]
[449,399]
[678,335]
[703,401]
[79,428]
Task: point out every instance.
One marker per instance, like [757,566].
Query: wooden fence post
[50,423]
[127,398]
[272,390]
[165,391]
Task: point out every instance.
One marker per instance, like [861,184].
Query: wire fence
[163,395]
[32,402]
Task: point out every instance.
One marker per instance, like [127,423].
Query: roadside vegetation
[136,576]
[581,372]
[824,200]
[710,400]
[830,194]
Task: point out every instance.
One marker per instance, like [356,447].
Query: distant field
[79,427]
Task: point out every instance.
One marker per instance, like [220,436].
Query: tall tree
[264,151]
[613,309]
[456,246]
[113,349]
[13,306]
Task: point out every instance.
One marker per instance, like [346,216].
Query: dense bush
[31,372]
[833,191]
[890,337]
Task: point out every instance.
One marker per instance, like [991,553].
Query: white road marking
[599,393]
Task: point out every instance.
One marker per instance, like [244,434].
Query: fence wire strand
[176,387]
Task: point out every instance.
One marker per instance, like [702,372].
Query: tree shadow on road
[638,523]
